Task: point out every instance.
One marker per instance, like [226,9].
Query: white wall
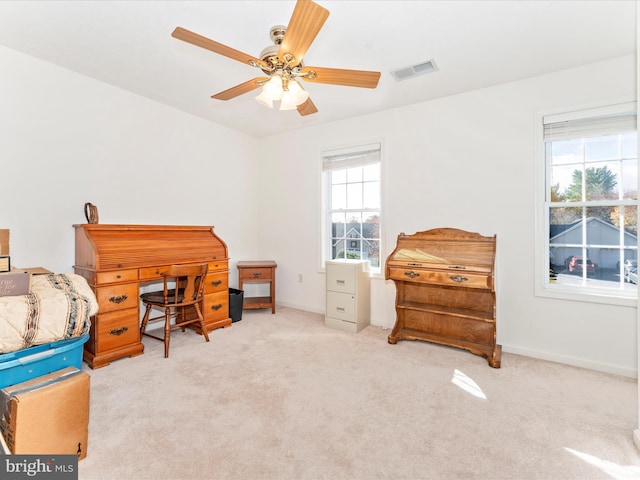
[466,161]
[66,139]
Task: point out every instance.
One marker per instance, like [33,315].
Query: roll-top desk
[116,259]
[445,290]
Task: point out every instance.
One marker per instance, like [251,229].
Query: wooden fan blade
[200,41]
[338,76]
[307,108]
[306,21]
[240,89]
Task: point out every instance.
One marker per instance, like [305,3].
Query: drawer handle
[119,299]
[411,274]
[215,283]
[341,282]
[257,274]
[216,307]
[118,331]
[118,276]
[457,267]
[458,278]
[340,309]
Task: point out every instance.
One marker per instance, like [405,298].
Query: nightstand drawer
[249,274]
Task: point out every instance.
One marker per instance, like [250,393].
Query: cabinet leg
[495,359]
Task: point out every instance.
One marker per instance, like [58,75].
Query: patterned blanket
[58,307]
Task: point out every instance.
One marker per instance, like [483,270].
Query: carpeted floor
[283,397]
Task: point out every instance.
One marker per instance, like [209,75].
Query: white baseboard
[552,357]
[304,308]
[576,362]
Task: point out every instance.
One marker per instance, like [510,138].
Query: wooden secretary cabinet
[445,290]
[116,259]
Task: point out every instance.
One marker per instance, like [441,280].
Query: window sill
[559,293]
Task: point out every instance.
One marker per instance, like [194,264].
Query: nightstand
[258,272]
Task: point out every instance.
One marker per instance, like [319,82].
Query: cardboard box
[4,241]
[47,415]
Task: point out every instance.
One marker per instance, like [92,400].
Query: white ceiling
[475,44]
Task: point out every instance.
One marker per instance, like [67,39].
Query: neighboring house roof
[599,232]
[353,233]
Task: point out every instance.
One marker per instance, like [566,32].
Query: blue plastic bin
[22,365]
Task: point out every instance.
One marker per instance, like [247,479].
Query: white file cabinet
[347,295]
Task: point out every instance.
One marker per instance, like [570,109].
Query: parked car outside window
[576,264]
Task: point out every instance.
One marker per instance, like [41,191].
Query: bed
[59,307]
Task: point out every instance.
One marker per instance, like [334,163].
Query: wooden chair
[189,281]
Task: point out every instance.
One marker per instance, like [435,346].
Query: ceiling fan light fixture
[295,95]
[264,99]
[271,91]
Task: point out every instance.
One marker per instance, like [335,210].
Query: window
[591,201]
[351,189]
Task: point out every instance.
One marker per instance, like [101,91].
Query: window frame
[325,203]
[542,228]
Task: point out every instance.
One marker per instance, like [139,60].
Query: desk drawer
[216,306]
[219,266]
[460,279]
[153,273]
[117,276]
[117,297]
[117,329]
[216,282]
[248,274]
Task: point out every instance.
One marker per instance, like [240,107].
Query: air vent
[415,70]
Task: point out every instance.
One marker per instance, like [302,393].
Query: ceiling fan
[282,62]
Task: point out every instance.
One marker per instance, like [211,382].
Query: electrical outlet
[299,278]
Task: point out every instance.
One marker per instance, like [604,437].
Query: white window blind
[351,157]
[590,123]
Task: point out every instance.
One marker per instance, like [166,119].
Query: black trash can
[235,304]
